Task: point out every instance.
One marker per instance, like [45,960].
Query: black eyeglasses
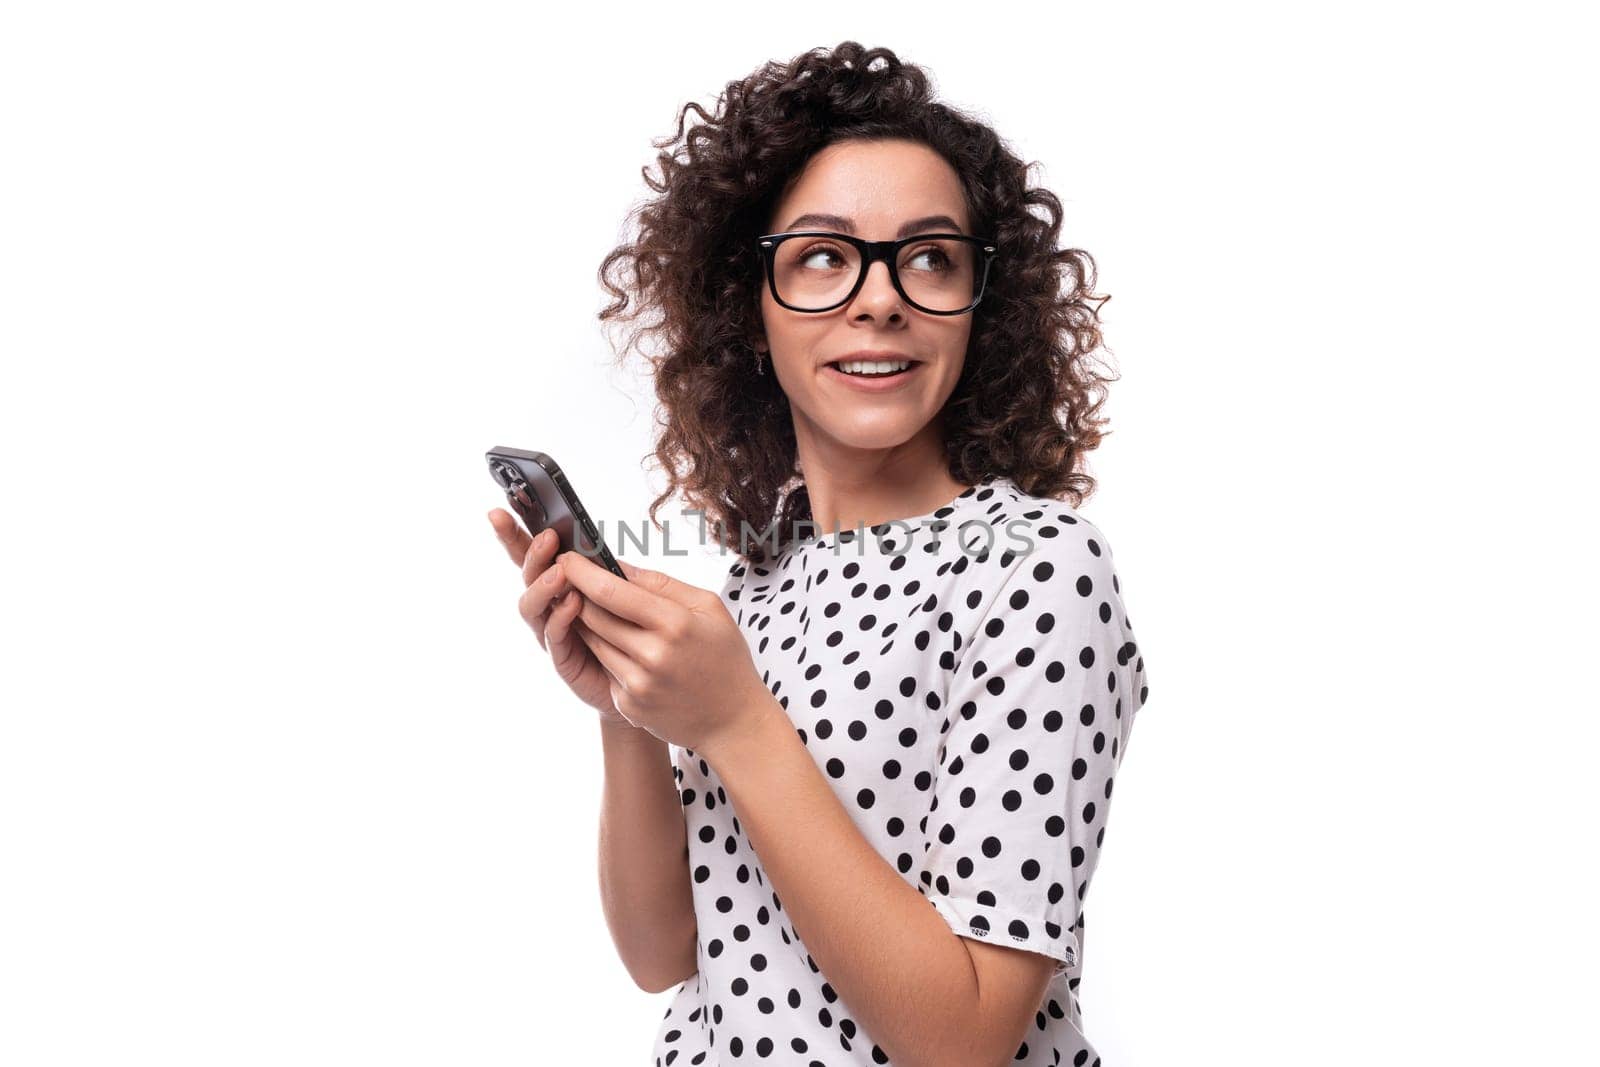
[817,270]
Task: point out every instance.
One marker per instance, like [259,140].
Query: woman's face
[868,190]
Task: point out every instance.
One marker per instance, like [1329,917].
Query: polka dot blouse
[966,680]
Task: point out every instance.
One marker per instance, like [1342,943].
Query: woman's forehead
[874,189]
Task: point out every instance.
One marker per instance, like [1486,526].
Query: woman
[891,748]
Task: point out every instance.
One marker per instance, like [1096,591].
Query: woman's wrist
[748,731]
[624,731]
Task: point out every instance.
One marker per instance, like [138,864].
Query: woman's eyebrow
[813,220]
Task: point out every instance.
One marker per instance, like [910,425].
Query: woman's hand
[551,618]
[679,665]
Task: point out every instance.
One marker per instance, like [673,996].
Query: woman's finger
[627,638]
[558,627]
[621,597]
[510,533]
[613,659]
[541,551]
[536,599]
[539,626]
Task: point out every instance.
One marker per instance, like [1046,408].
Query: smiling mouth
[873,368]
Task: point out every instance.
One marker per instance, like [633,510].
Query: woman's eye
[825,253]
[940,260]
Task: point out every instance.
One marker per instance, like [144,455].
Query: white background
[285,779]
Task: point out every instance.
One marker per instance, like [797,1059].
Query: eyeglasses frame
[871,252]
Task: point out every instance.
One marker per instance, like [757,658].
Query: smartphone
[541,496]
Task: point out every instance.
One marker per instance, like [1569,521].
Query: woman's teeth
[869,367]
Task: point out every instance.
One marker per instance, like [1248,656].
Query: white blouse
[966,680]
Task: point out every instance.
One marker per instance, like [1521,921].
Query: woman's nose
[877,289]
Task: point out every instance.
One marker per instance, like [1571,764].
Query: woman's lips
[880,384]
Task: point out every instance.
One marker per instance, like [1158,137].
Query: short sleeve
[1037,717]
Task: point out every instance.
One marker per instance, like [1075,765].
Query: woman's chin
[868,427]
[874,435]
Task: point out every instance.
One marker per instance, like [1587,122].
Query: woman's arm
[644,866]
[906,976]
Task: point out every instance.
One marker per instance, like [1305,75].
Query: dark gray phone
[541,497]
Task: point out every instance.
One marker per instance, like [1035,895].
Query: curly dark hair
[1026,405]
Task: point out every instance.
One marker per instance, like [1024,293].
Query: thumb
[657,582]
